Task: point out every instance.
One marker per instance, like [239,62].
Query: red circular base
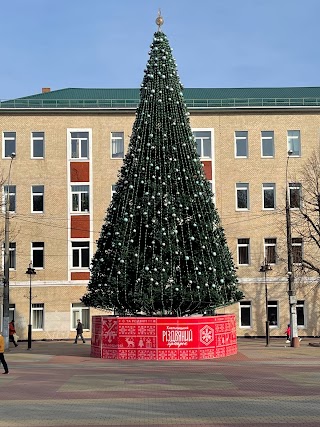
[163,338]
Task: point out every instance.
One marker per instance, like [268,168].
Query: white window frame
[302,304]
[8,138]
[203,140]
[267,137]
[268,186]
[270,242]
[116,139]
[77,312]
[35,194]
[292,141]
[80,142]
[12,194]
[245,305]
[37,307]
[240,187]
[240,136]
[35,248]
[12,255]
[79,190]
[295,187]
[80,246]
[243,245]
[37,138]
[272,304]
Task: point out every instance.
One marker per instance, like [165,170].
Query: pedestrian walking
[288,331]
[2,359]
[12,333]
[79,332]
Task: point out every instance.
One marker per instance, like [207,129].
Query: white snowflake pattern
[109,332]
[207,354]
[127,330]
[146,355]
[184,355]
[206,335]
[142,330]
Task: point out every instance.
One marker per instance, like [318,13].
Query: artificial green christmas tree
[162,250]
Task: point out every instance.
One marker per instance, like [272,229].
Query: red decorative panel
[79,172]
[207,166]
[80,226]
[163,338]
[80,275]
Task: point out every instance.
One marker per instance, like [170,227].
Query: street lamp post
[264,269]
[291,285]
[31,272]
[6,300]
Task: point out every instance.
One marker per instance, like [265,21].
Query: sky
[104,43]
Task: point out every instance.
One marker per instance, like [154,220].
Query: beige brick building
[69,145]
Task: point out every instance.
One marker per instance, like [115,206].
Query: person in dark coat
[79,332]
[12,331]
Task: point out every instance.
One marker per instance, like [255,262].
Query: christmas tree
[162,250]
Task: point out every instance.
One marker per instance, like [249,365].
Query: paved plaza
[59,384]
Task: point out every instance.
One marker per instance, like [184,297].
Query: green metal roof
[194,97]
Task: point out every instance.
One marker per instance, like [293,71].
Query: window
[273,313]
[270,252]
[80,311]
[295,195]
[37,198]
[203,142]
[10,191]
[37,316]
[12,308]
[38,254]
[297,250]
[241,144]
[80,254]
[117,145]
[242,190]
[269,196]
[294,144]
[245,314]
[12,255]
[80,198]
[267,143]
[79,145]
[9,143]
[37,145]
[243,251]
[300,313]
[113,190]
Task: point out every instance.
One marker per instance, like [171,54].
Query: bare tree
[306,220]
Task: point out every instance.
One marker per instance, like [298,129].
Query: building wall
[53,285]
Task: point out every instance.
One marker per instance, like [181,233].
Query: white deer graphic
[130,342]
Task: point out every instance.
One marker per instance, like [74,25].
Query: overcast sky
[105,43]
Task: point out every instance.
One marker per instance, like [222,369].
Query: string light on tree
[162,249]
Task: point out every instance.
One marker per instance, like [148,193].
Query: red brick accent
[79,172]
[207,169]
[81,275]
[80,226]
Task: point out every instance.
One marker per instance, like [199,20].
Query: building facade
[69,145]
